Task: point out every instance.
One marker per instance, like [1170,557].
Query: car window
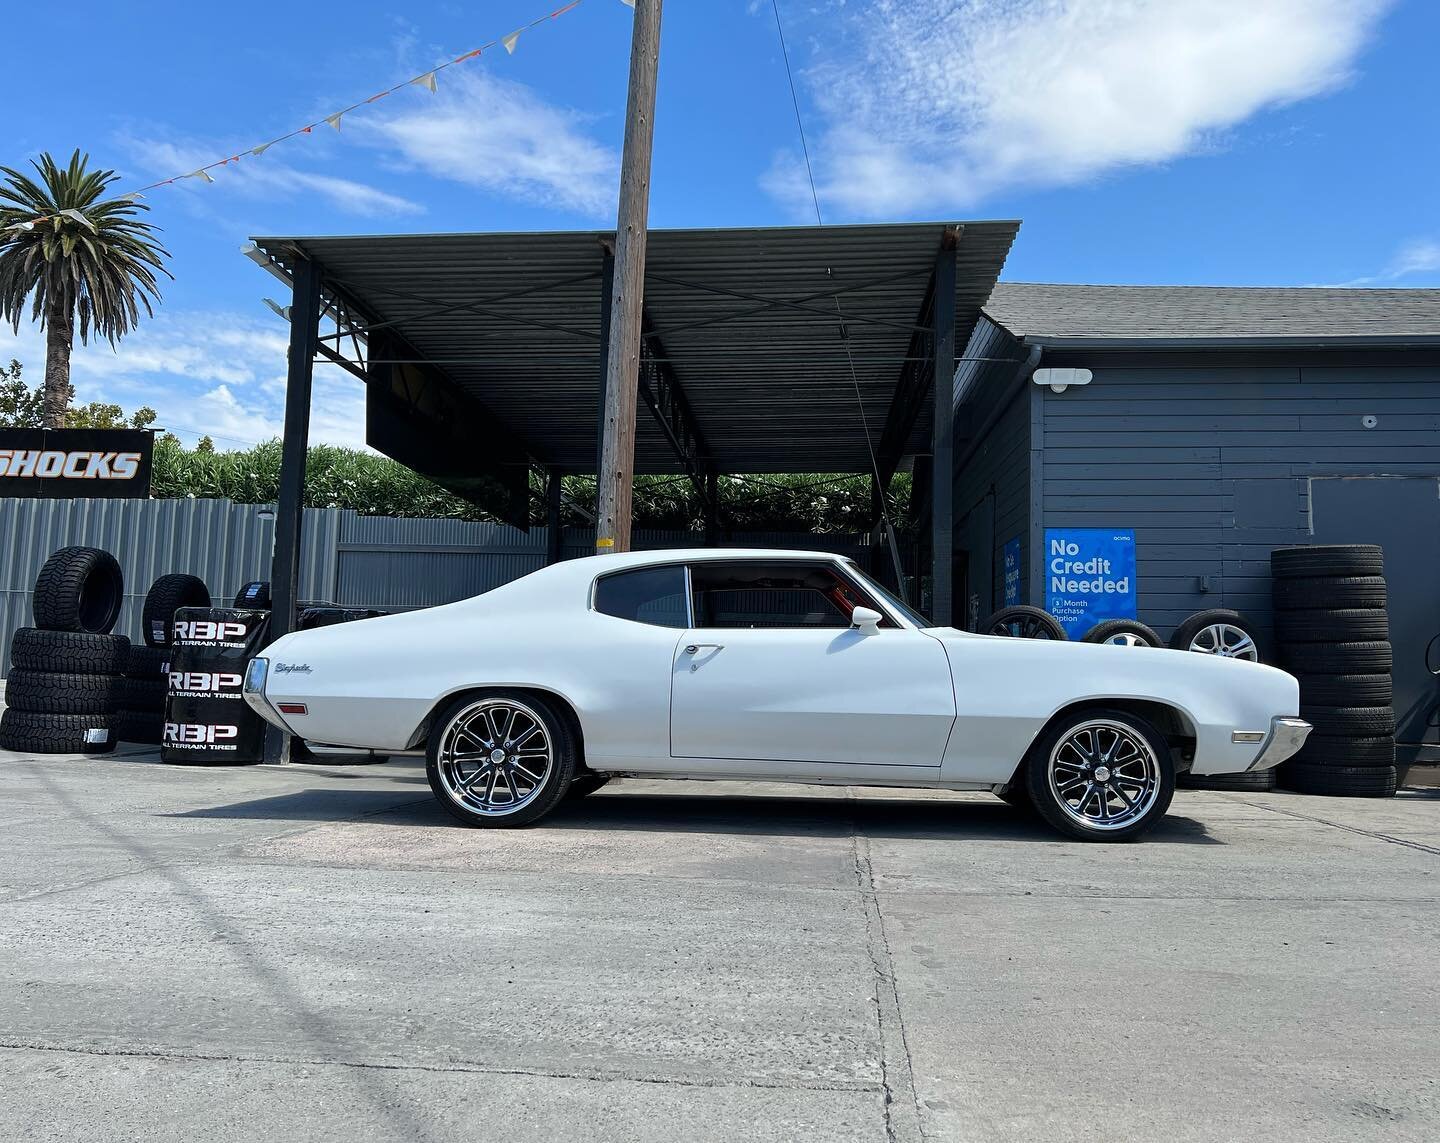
[645,595]
[773,595]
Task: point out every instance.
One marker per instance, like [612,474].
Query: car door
[773,670]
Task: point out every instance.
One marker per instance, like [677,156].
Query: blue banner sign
[1012,572]
[1089,576]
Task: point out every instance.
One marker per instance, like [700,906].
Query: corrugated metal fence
[358,561]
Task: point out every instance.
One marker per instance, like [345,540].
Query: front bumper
[1286,736]
[253,691]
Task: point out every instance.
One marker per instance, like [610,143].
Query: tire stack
[65,672]
[141,717]
[1333,633]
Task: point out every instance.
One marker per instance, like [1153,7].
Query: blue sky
[1145,141]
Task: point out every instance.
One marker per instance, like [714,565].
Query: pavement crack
[897,1076]
[459,1067]
[1348,829]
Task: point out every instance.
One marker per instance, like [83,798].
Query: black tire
[1216,628]
[1333,750]
[555,782]
[1341,781]
[1338,658]
[146,695]
[166,596]
[585,783]
[1354,591]
[1327,559]
[1047,804]
[1250,780]
[1023,622]
[79,589]
[30,732]
[1332,625]
[140,726]
[1346,690]
[69,652]
[147,662]
[1350,721]
[49,692]
[254,596]
[1124,632]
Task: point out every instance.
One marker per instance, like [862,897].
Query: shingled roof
[1042,313]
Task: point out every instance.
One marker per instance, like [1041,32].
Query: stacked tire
[1333,632]
[141,717]
[62,693]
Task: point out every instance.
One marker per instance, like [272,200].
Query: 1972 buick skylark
[774,665]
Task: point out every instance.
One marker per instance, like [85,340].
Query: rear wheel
[501,758]
[1100,775]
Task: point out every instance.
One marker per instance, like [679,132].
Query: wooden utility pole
[622,371]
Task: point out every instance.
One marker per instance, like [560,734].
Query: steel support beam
[554,539]
[661,391]
[942,493]
[285,565]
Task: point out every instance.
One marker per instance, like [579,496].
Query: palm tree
[76,255]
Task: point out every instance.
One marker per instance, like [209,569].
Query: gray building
[1216,425]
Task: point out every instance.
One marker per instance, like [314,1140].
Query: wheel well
[420,738]
[1170,721]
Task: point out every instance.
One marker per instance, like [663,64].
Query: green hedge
[376,486]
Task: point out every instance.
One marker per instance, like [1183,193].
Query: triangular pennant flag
[510,41]
[201,174]
[427,81]
[628,3]
[334,120]
[260,150]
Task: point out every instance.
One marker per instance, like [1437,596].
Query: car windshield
[879,589]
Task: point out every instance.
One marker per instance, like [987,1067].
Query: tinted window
[645,595]
[772,595]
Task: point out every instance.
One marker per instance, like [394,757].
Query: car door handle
[696,648]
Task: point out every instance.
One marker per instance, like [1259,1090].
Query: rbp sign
[1089,576]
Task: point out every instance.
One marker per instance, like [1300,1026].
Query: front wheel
[1100,775]
[500,758]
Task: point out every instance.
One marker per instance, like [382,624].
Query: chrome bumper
[253,691]
[1287,735]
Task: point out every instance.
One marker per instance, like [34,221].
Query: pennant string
[426,80]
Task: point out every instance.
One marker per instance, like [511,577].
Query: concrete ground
[319,953]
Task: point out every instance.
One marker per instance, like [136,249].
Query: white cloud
[265,177]
[938,103]
[499,136]
[1418,256]
[221,374]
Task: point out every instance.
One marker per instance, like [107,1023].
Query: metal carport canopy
[746,320]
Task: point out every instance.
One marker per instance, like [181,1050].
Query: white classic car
[773,665]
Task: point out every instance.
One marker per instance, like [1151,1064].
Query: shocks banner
[57,464]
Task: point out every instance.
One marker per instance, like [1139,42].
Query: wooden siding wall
[992,488]
[1211,466]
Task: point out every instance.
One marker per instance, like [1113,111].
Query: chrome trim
[1287,735]
[252,690]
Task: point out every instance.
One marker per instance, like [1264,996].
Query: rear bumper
[1286,736]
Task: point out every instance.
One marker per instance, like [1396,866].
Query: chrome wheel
[1104,775]
[495,756]
[1227,640]
[1125,639]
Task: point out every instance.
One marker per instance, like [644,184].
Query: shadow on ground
[746,814]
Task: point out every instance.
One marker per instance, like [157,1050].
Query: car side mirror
[866,621]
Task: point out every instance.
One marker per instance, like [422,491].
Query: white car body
[900,705]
